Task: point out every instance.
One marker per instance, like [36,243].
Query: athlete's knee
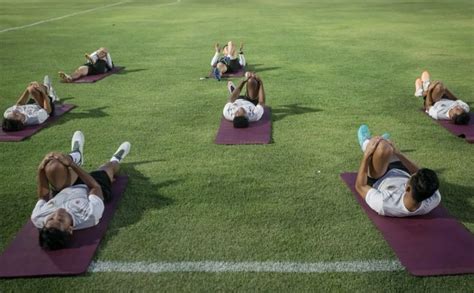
[384,149]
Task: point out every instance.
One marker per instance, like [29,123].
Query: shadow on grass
[127,71]
[140,196]
[257,68]
[280,112]
[84,114]
[456,198]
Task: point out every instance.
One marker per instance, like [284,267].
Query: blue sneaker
[386,136]
[363,134]
[217,74]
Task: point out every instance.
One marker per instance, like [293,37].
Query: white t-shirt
[440,110]
[85,210]
[386,196]
[33,112]
[253,113]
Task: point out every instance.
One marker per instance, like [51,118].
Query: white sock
[364,144]
[419,92]
[215,59]
[426,84]
[114,159]
[76,157]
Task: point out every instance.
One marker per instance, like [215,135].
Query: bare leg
[222,67]
[381,158]
[111,168]
[23,98]
[38,92]
[231,50]
[80,72]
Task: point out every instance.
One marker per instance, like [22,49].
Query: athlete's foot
[426,79]
[121,152]
[65,77]
[77,145]
[418,88]
[230,86]
[363,134]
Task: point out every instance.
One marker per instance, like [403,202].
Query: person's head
[240,118]
[422,185]
[14,121]
[459,116]
[102,52]
[252,87]
[57,230]
[58,175]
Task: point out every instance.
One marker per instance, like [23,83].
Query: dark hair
[424,183]
[462,119]
[241,122]
[53,239]
[12,125]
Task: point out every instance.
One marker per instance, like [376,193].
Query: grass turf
[328,66]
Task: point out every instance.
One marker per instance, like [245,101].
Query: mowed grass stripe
[253,266]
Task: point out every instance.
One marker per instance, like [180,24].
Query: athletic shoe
[77,145]
[230,86]
[363,134]
[47,82]
[216,73]
[418,88]
[49,88]
[386,136]
[121,152]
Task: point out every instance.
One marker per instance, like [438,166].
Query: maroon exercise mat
[25,258]
[97,77]
[239,73]
[259,132]
[428,245]
[59,110]
[463,131]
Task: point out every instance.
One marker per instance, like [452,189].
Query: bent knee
[384,149]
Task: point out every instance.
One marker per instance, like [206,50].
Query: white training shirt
[85,210]
[33,112]
[440,110]
[386,196]
[253,113]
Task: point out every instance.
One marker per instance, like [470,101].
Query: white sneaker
[230,86]
[121,152]
[47,82]
[77,145]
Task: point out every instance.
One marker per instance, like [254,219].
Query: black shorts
[97,68]
[247,98]
[394,165]
[104,181]
[233,66]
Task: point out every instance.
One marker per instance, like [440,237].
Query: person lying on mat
[440,103]
[76,198]
[229,62]
[97,63]
[391,184]
[33,107]
[249,108]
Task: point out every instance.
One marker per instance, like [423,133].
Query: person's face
[458,110]
[240,112]
[60,220]
[16,115]
[102,53]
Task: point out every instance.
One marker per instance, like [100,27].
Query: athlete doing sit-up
[97,63]
[229,62]
[33,107]
[69,197]
[391,184]
[249,108]
[439,102]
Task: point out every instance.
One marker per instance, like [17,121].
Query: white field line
[73,14]
[262,267]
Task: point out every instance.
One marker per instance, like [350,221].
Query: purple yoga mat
[25,258]
[239,73]
[60,109]
[464,131]
[259,132]
[428,245]
[97,77]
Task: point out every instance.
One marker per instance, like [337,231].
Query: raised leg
[381,158]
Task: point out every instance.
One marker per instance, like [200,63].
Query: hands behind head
[102,52]
[62,158]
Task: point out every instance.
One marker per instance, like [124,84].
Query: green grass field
[328,66]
